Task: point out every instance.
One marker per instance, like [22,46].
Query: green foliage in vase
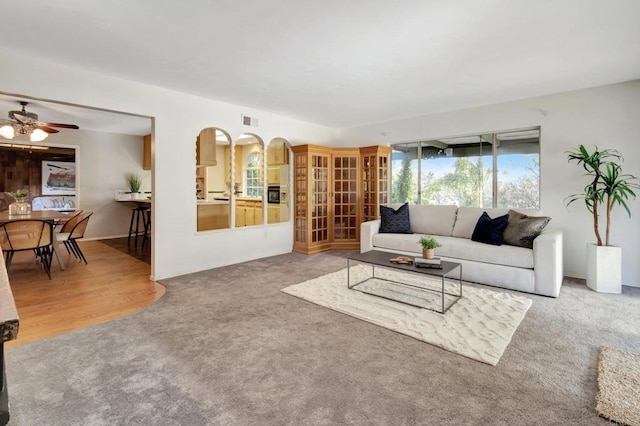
[19,195]
[429,243]
[134,182]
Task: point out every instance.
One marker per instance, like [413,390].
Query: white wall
[102,161]
[178,118]
[606,116]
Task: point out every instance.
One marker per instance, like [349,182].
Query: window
[484,170]
[254,183]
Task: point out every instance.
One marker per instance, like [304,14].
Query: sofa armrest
[548,262]
[367,231]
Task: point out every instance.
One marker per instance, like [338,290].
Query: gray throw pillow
[522,229]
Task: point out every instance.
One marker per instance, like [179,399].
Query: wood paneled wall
[22,168]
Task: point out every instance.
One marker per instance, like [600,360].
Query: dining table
[53,216]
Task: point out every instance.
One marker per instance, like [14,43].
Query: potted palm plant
[429,244]
[134,182]
[607,187]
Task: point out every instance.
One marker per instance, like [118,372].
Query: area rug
[618,397]
[479,326]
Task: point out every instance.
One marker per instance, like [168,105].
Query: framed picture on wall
[58,178]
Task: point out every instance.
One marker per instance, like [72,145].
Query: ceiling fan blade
[64,126]
[22,118]
[47,129]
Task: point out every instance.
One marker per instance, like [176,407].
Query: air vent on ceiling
[249,121]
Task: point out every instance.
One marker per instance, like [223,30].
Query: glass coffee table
[427,288]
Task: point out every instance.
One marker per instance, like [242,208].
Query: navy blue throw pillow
[489,230]
[395,221]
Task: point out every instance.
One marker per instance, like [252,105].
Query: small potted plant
[135,182]
[429,244]
[20,206]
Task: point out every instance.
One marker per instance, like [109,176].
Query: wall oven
[273,194]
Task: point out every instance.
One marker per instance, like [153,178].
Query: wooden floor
[113,284]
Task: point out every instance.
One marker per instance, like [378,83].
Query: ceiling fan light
[7,131]
[38,135]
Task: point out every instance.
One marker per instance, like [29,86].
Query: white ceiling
[336,62]
[85,118]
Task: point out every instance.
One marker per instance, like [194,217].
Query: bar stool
[147,227]
[137,214]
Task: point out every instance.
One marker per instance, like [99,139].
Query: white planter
[604,268]
[136,196]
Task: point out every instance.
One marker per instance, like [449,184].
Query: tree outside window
[488,170]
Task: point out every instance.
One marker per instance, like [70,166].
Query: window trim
[494,154]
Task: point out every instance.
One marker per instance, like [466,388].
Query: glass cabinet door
[320,198]
[345,192]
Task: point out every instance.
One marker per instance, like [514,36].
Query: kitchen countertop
[226,201]
[212,202]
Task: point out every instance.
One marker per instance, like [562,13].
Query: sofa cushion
[459,248]
[522,229]
[489,231]
[398,242]
[467,219]
[432,220]
[462,248]
[395,221]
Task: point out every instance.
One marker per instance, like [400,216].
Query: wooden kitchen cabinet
[328,193]
[206,147]
[241,214]
[273,213]
[273,175]
[248,212]
[277,153]
[201,182]
[257,213]
[213,216]
[146,152]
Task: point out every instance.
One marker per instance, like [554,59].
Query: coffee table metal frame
[382,259]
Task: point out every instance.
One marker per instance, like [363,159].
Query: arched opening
[278,171]
[213,179]
[248,182]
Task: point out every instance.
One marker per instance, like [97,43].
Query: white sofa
[538,270]
[58,202]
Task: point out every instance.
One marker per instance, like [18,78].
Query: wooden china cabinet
[329,187]
[375,180]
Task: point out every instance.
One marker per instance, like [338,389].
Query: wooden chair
[67,223]
[28,234]
[73,230]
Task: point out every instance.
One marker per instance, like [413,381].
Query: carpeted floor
[618,397]
[225,346]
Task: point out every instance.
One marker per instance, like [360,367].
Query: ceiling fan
[26,123]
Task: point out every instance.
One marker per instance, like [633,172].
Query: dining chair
[73,230]
[27,234]
[68,222]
